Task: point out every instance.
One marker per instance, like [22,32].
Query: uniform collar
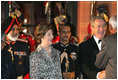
[64,45]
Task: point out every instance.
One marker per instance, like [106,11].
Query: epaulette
[75,44]
[22,40]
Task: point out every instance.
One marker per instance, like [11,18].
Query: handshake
[101,75]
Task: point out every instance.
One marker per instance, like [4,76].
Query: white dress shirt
[98,44]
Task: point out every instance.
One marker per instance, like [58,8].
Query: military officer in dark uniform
[7,68]
[69,53]
[18,50]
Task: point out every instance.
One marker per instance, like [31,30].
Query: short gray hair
[113,21]
[96,17]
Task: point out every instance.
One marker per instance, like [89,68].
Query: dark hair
[96,17]
[41,30]
[64,25]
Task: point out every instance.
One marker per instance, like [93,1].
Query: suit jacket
[107,58]
[88,51]
[43,66]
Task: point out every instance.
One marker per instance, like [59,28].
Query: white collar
[96,39]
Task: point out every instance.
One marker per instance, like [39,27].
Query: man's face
[99,28]
[65,33]
[15,31]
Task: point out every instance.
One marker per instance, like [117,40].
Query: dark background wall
[72,12]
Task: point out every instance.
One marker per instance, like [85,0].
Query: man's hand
[101,75]
[69,75]
[20,77]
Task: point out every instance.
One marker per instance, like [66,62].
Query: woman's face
[48,37]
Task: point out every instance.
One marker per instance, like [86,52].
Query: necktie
[99,41]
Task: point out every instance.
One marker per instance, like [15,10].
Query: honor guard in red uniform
[18,51]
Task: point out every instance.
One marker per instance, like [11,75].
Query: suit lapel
[94,45]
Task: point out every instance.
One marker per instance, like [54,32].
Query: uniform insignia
[73,56]
[20,62]
[75,44]
[21,53]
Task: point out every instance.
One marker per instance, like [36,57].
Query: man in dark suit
[107,57]
[91,47]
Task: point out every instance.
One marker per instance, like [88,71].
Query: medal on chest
[20,61]
[73,56]
[20,55]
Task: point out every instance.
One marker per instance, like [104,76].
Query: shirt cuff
[97,75]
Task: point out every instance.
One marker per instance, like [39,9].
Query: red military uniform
[30,39]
